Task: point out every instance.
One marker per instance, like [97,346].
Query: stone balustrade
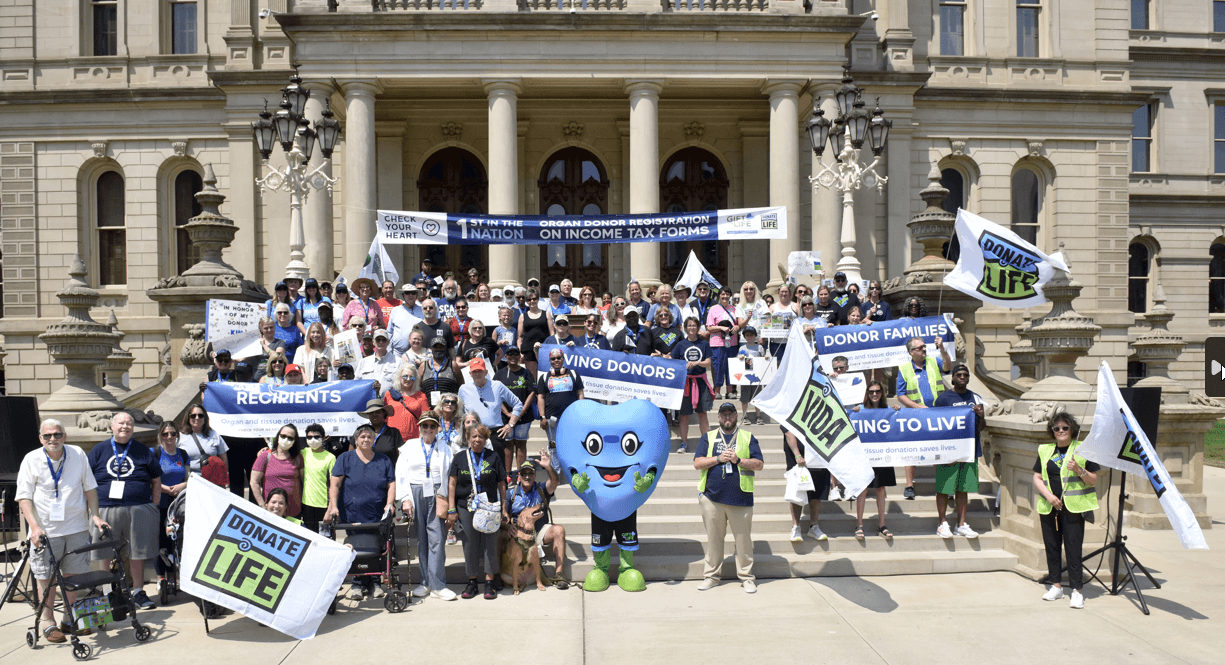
[574,6]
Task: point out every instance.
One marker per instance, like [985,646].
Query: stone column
[317,215]
[897,193]
[360,164]
[755,146]
[644,172]
[391,184]
[784,166]
[505,261]
[826,202]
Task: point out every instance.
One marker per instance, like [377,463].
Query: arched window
[955,182]
[186,185]
[574,182]
[1026,204]
[112,236]
[453,181]
[691,180]
[1138,263]
[1216,279]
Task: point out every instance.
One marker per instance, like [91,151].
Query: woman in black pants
[1067,491]
[480,549]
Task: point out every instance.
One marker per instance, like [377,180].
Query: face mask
[284,443]
[314,442]
[439,355]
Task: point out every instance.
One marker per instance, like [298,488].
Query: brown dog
[521,560]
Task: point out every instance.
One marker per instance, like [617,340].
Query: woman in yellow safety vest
[1067,490]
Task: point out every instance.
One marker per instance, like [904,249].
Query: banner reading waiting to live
[437,228]
[254,410]
[916,437]
[619,377]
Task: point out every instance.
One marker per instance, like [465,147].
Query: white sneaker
[443,594]
[965,530]
[355,592]
[708,584]
[421,591]
[795,535]
[379,591]
[1078,601]
[943,531]
[816,533]
[1054,593]
[749,586]
[835,494]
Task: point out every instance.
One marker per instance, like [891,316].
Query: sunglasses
[169,435]
[1060,428]
[313,437]
[51,436]
[875,392]
[450,402]
[557,358]
[427,426]
[840,369]
[277,362]
[195,416]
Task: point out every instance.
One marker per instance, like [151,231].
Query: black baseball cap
[727,406]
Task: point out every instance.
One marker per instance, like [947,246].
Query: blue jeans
[718,367]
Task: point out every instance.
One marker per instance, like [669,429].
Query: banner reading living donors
[882,344]
[255,410]
[619,377]
[246,559]
[916,437]
[436,228]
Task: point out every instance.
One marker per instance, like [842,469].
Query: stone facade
[630,82]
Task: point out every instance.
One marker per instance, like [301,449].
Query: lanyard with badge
[476,469]
[728,467]
[116,491]
[428,454]
[57,505]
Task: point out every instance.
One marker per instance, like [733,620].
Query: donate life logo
[250,559]
[1133,452]
[820,417]
[1009,271]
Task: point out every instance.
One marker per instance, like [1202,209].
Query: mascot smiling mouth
[612,475]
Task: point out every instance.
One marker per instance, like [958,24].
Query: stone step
[579,526]
[765,505]
[677,488]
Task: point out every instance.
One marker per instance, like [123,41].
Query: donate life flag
[378,265]
[619,377]
[254,410]
[998,267]
[695,272]
[241,557]
[802,398]
[1117,441]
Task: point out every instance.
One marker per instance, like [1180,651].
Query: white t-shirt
[35,483]
[410,467]
[210,446]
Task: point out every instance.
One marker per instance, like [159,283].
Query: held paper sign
[348,348]
[232,317]
[750,371]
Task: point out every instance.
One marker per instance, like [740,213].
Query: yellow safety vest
[1077,496]
[743,437]
[912,380]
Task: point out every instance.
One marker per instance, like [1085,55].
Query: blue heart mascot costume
[613,456]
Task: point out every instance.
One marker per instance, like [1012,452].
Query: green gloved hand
[580,482]
[643,484]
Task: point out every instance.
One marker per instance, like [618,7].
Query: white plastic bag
[799,483]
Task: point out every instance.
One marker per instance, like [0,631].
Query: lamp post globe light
[851,128]
[290,128]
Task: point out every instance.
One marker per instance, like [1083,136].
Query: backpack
[213,470]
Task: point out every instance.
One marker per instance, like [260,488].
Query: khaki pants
[717,517]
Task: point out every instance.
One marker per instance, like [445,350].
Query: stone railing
[730,6]
[717,5]
[426,5]
[571,5]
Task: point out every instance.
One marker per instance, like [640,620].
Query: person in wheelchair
[58,497]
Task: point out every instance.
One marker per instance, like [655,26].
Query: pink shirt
[715,315]
[283,474]
[373,313]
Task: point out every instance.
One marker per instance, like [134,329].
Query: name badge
[435,397]
[116,491]
[57,510]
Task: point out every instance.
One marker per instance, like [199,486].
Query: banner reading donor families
[246,559]
[916,437]
[619,377]
[254,410]
[882,344]
[437,228]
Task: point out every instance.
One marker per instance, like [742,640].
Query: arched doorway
[453,181]
[574,182]
[693,179]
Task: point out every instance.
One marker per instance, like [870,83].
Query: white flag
[241,557]
[998,267]
[802,399]
[379,265]
[1117,441]
[695,272]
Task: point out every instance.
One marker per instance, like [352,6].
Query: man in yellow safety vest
[728,458]
[919,383]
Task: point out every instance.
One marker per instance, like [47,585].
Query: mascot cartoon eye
[594,443]
[630,443]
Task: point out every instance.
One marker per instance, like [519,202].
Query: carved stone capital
[694,131]
[99,148]
[573,131]
[452,131]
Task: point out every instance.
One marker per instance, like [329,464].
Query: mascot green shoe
[629,579]
[597,579]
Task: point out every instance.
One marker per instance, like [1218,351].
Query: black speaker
[18,431]
[1145,405]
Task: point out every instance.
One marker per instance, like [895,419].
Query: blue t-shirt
[506,337]
[363,495]
[519,500]
[596,342]
[722,484]
[883,312]
[174,470]
[310,311]
[292,338]
[676,313]
[968,398]
[135,465]
[692,352]
[925,389]
[562,308]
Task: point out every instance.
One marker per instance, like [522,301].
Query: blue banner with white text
[883,343]
[916,437]
[619,377]
[254,410]
[438,228]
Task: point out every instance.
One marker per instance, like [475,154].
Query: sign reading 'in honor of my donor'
[1214,366]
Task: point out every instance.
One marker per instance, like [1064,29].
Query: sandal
[884,531]
[859,533]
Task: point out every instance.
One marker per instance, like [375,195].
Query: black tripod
[1121,553]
